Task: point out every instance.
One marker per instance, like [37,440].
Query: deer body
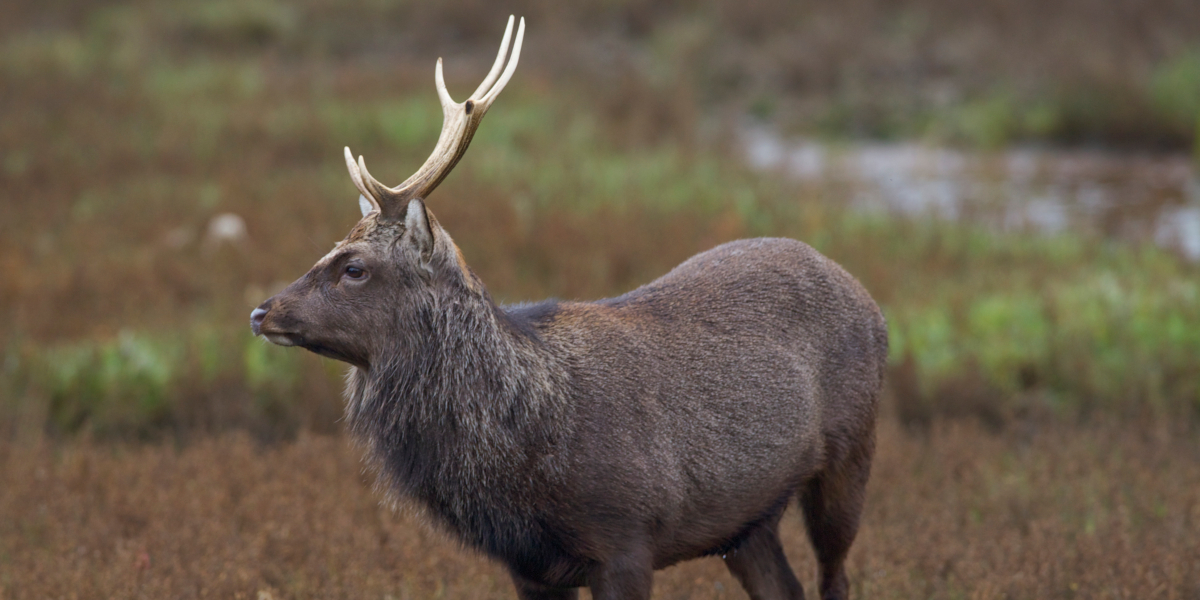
[588,444]
[680,414]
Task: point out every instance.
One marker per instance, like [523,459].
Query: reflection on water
[1125,196]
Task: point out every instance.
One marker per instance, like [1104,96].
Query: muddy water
[1122,196]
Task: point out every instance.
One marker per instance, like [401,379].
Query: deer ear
[365,205]
[419,230]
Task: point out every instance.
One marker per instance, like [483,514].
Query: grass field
[1043,401]
[956,512]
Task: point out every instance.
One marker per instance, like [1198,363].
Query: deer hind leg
[760,566]
[832,504]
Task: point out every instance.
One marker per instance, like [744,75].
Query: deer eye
[354,272]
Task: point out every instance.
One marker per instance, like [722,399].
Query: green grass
[113,330]
[1062,326]
[1175,90]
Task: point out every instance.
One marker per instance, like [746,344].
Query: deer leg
[526,593]
[832,504]
[761,567]
[628,577]
[528,590]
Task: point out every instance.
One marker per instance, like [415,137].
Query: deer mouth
[292,338]
[259,326]
[295,339]
[280,339]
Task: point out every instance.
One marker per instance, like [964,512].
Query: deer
[588,444]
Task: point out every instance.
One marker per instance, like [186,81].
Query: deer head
[397,262]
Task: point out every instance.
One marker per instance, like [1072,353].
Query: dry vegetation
[957,513]
[150,448]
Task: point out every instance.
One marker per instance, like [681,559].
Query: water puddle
[1125,196]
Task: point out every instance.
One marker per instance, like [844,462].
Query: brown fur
[589,443]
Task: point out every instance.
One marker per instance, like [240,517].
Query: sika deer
[590,443]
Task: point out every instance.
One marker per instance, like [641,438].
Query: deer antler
[458,127]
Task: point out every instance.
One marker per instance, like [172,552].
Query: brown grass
[1101,512]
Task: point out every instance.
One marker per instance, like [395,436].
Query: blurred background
[1014,181]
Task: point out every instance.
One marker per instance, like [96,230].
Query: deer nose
[256,319]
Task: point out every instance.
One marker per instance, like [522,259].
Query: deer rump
[666,424]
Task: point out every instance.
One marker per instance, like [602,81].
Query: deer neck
[469,409]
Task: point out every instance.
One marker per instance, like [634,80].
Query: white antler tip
[355,174]
[511,66]
[443,93]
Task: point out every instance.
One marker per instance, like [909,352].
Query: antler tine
[378,190]
[510,69]
[357,177]
[458,127]
[499,64]
[443,93]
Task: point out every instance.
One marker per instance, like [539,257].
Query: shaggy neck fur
[468,398]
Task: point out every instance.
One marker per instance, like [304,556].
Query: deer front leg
[527,590]
[625,577]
